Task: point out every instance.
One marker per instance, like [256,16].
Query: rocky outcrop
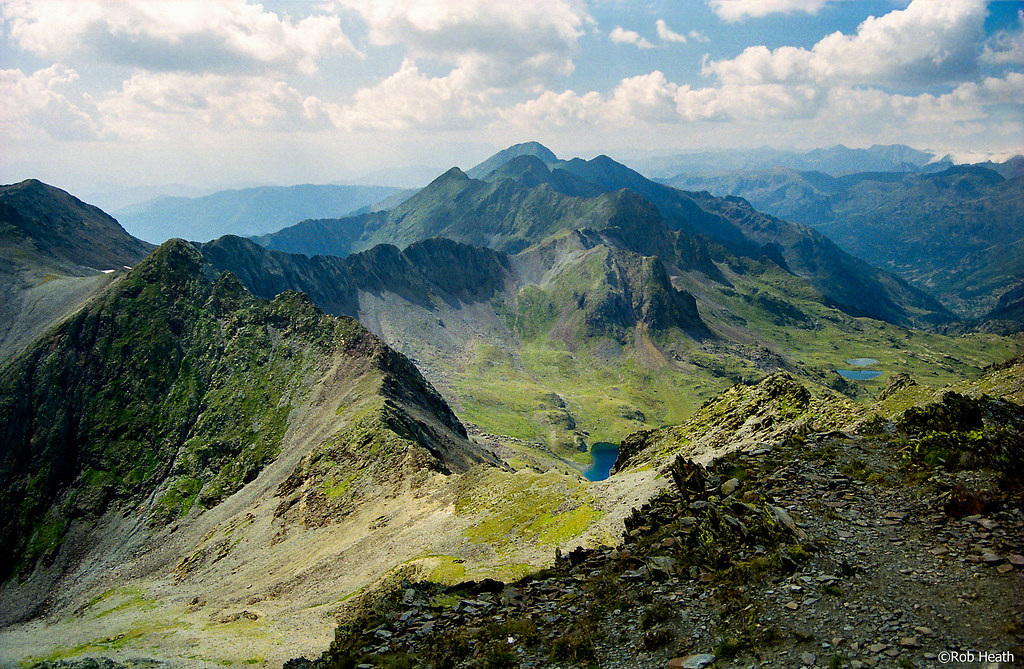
[744,417]
[962,432]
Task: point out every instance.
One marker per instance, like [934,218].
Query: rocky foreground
[890,546]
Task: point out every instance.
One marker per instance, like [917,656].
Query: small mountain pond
[859,374]
[604,459]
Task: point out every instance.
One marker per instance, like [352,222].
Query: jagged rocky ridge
[858,549]
[174,389]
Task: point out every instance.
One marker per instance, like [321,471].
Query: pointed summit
[501,157]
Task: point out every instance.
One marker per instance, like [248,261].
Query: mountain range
[212,449]
[526,199]
[835,160]
[956,233]
[591,313]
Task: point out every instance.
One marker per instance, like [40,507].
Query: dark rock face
[451,270]
[468,272]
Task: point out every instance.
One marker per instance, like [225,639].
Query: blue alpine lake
[858,374]
[604,459]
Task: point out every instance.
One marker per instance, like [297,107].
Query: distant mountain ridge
[835,160]
[244,212]
[958,233]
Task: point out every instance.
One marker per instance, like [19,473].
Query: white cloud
[698,36]
[782,112]
[158,105]
[491,48]
[653,99]
[620,35]
[666,34]
[737,10]
[493,44]
[566,109]
[648,98]
[931,41]
[34,105]
[175,35]
[409,98]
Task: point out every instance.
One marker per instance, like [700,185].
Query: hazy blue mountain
[832,160]
[249,211]
[123,198]
[958,233]
[535,149]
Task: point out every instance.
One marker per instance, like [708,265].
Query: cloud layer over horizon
[259,88]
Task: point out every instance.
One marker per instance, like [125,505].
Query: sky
[106,94]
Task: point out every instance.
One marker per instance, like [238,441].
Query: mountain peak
[453,174]
[61,227]
[501,157]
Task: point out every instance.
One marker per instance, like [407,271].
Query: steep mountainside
[172,391]
[250,211]
[54,250]
[956,233]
